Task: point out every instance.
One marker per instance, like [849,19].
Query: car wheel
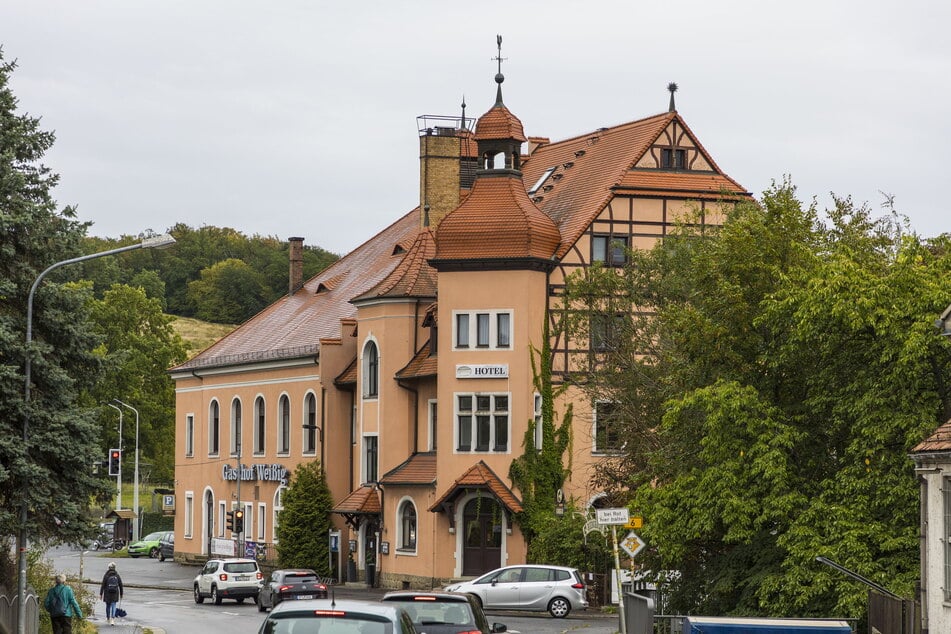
[153,553]
[161,557]
[198,596]
[559,607]
[215,596]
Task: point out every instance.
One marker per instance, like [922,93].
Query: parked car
[337,617]
[555,589]
[148,545]
[167,546]
[234,578]
[444,612]
[292,584]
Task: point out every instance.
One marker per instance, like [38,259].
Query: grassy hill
[199,334]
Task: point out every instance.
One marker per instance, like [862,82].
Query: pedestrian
[111,591]
[62,605]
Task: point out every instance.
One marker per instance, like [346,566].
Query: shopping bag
[120,612]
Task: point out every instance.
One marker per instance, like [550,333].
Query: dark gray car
[167,546]
[328,616]
[444,612]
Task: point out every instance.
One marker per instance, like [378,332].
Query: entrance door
[370,550]
[482,540]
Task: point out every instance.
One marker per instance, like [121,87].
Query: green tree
[774,376]
[304,522]
[228,292]
[53,469]
[138,346]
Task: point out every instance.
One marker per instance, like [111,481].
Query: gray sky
[299,118]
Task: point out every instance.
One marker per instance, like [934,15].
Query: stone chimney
[439,178]
[296,276]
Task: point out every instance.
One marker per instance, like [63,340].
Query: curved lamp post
[135,491]
[155,242]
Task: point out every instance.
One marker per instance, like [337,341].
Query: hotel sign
[483,371]
[256,472]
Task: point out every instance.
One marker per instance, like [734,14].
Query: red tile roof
[348,376]
[497,220]
[292,326]
[412,277]
[420,366]
[499,123]
[419,468]
[480,476]
[940,440]
[363,501]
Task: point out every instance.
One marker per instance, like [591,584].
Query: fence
[674,624]
[9,607]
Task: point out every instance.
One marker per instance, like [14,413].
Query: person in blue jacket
[61,603]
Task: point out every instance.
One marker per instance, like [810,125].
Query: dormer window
[673,159]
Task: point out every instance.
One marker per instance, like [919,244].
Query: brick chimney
[296,276]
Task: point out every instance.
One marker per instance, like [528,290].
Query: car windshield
[241,566]
[437,612]
[152,537]
[312,623]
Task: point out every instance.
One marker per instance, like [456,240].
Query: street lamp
[155,242]
[119,477]
[135,478]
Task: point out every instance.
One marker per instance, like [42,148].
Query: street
[158,595]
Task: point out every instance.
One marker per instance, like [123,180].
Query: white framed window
[214,428]
[406,526]
[371,370]
[262,520]
[260,426]
[222,521]
[309,445]
[278,507]
[433,428]
[371,457]
[482,422]
[189,435]
[607,429]
[189,513]
[539,430]
[235,427]
[482,330]
[284,425]
[248,521]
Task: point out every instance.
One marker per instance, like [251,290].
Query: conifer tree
[303,524]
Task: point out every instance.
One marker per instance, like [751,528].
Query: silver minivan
[555,589]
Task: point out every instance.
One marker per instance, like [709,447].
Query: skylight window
[542,179]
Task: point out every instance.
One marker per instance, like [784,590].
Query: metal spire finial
[672,87]
[463,111]
[499,77]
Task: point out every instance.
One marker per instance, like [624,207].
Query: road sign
[618,516]
[632,544]
[636,521]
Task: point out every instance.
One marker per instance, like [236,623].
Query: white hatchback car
[236,579]
[555,589]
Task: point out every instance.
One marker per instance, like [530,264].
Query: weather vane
[499,58]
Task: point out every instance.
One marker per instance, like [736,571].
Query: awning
[363,501]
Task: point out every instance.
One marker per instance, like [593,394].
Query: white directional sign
[632,544]
[619,516]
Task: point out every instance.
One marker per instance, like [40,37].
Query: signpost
[632,544]
[616,517]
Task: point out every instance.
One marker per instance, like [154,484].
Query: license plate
[305,596]
[243,577]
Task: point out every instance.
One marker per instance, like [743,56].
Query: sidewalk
[123,626]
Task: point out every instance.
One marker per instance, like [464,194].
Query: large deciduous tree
[303,524]
[53,469]
[773,377]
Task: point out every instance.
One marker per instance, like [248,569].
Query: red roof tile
[412,277]
[499,123]
[348,376]
[940,440]
[363,501]
[419,468]
[480,476]
[422,365]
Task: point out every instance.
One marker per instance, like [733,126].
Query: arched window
[371,371]
[235,427]
[310,424]
[214,420]
[284,425]
[407,520]
[259,427]
[278,507]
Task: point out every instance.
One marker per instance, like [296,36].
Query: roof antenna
[672,87]
[499,77]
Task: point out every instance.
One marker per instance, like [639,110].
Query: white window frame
[236,425]
[400,533]
[466,329]
[259,425]
[283,425]
[248,522]
[539,431]
[262,520]
[189,435]
[222,522]
[432,424]
[214,427]
[365,463]
[371,371]
[309,434]
[189,514]
[278,507]
[473,423]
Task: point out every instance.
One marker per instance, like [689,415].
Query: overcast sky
[293,118]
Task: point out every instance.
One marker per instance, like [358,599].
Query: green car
[148,545]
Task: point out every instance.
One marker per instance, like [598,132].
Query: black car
[290,584]
[167,546]
[338,617]
[444,612]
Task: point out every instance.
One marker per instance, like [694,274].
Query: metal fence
[674,624]
[9,609]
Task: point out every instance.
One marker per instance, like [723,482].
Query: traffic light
[239,521]
[115,460]
[231,521]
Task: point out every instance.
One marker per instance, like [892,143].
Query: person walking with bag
[61,603]
[110,592]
